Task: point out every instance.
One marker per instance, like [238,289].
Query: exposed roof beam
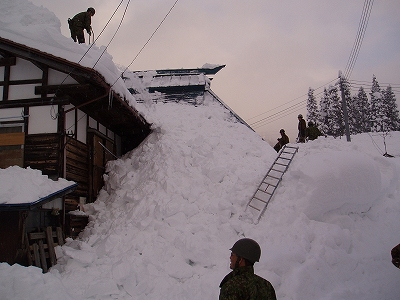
[65,88]
[34,102]
[7,61]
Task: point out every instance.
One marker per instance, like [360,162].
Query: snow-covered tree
[336,112]
[325,113]
[359,113]
[391,121]
[377,111]
[312,108]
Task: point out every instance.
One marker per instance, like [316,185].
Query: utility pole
[344,106]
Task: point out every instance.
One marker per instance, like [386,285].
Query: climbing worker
[312,132]
[242,283]
[283,140]
[79,22]
[301,138]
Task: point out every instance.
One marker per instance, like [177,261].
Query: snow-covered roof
[36,27]
[25,189]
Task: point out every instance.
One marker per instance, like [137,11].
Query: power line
[360,37]
[120,23]
[90,47]
[140,51]
[287,111]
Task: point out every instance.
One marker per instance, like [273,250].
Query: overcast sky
[273,50]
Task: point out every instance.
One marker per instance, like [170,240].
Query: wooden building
[192,86]
[63,119]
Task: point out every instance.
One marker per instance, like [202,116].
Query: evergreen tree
[360,108]
[325,113]
[312,108]
[336,112]
[377,111]
[392,121]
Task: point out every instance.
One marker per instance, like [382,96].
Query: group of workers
[241,282]
[306,133]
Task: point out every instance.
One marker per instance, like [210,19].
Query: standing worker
[242,283]
[301,138]
[79,22]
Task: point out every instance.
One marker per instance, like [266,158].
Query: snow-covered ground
[162,226]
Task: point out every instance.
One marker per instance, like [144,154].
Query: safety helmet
[248,249]
[310,123]
[91,10]
[300,116]
[282,131]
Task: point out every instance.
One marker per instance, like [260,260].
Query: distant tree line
[378,113]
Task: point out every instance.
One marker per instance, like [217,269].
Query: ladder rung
[273,177]
[280,164]
[265,192]
[261,200]
[276,170]
[281,157]
[254,207]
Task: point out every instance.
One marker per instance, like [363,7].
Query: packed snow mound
[19,185]
[336,183]
[16,14]
[163,224]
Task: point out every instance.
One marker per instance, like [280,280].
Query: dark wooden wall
[77,166]
[42,152]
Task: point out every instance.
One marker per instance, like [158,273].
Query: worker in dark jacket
[312,132]
[396,256]
[242,283]
[79,22]
[283,140]
[301,138]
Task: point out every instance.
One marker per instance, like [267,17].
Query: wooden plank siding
[77,166]
[10,153]
[12,138]
[42,152]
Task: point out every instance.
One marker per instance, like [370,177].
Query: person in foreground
[242,283]
[396,256]
[79,22]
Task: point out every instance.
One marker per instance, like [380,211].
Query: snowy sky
[273,50]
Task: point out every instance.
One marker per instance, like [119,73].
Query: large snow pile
[162,226]
[19,185]
[170,210]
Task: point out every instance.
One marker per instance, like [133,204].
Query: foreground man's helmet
[248,249]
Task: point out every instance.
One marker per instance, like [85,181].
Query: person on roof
[79,22]
[312,132]
[242,283]
[301,138]
[283,140]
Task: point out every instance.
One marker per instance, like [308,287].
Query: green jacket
[312,133]
[81,21]
[243,284]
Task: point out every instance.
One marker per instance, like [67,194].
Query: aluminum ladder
[261,198]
